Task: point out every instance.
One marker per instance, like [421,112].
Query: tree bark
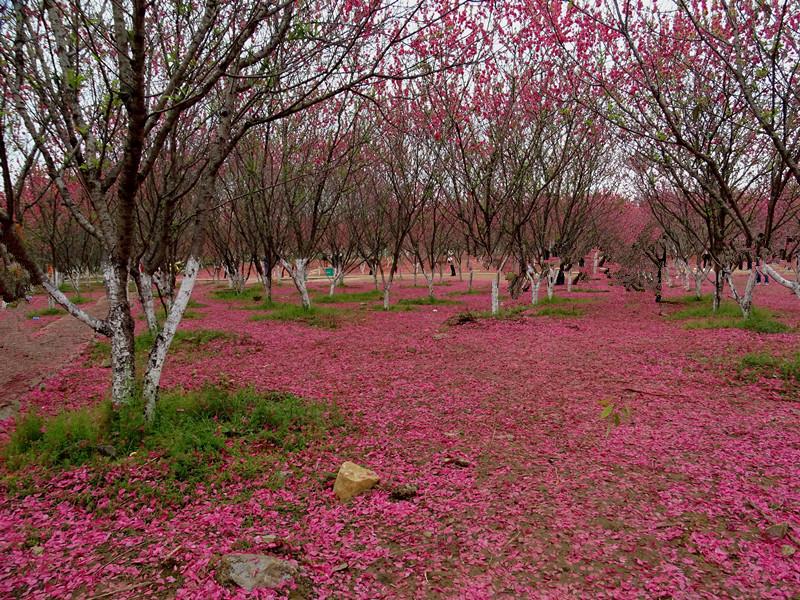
[780,279]
[298,272]
[158,352]
[121,327]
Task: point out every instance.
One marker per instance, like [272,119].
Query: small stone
[252,571]
[440,336]
[403,492]
[787,550]
[37,550]
[427,534]
[340,567]
[352,480]
[107,450]
[458,462]
[778,531]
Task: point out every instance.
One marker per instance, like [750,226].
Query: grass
[473,292]
[424,301]
[394,307]
[472,316]
[46,312]
[316,316]
[252,293]
[194,433]
[545,301]
[766,364]
[184,340]
[698,315]
[350,297]
[560,311]
[57,310]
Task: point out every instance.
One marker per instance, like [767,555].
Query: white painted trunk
[535,280]
[164,286]
[386,287]
[595,262]
[745,300]
[792,285]
[120,329]
[146,299]
[338,279]
[568,279]
[495,296]
[428,277]
[158,353]
[297,270]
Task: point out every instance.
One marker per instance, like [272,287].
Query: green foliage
[613,413]
[562,300]
[316,316]
[249,294]
[559,311]
[729,316]
[184,341]
[350,297]
[46,312]
[193,432]
[424,301]
[764,364]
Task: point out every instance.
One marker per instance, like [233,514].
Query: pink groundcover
[524,488]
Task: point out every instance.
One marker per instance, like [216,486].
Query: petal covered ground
[695,493]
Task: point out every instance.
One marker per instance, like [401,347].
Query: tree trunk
[568,279]
[535,280]
[121,327]
[595,261]
[386,287]
[144,286]
[745,301]
[780,279]
[718,285]
[496,292]
[158,353]
[299,275]
[338,279]
[428,283]
[552,276]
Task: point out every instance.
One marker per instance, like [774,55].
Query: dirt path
[31,355]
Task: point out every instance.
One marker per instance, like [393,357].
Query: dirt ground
[34,349]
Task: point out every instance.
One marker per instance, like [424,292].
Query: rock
[458,462]
[403,492]
[37,550]
[107,450]
[258,571]
[787,550]
[352,480]
[440,336]
[778,531]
